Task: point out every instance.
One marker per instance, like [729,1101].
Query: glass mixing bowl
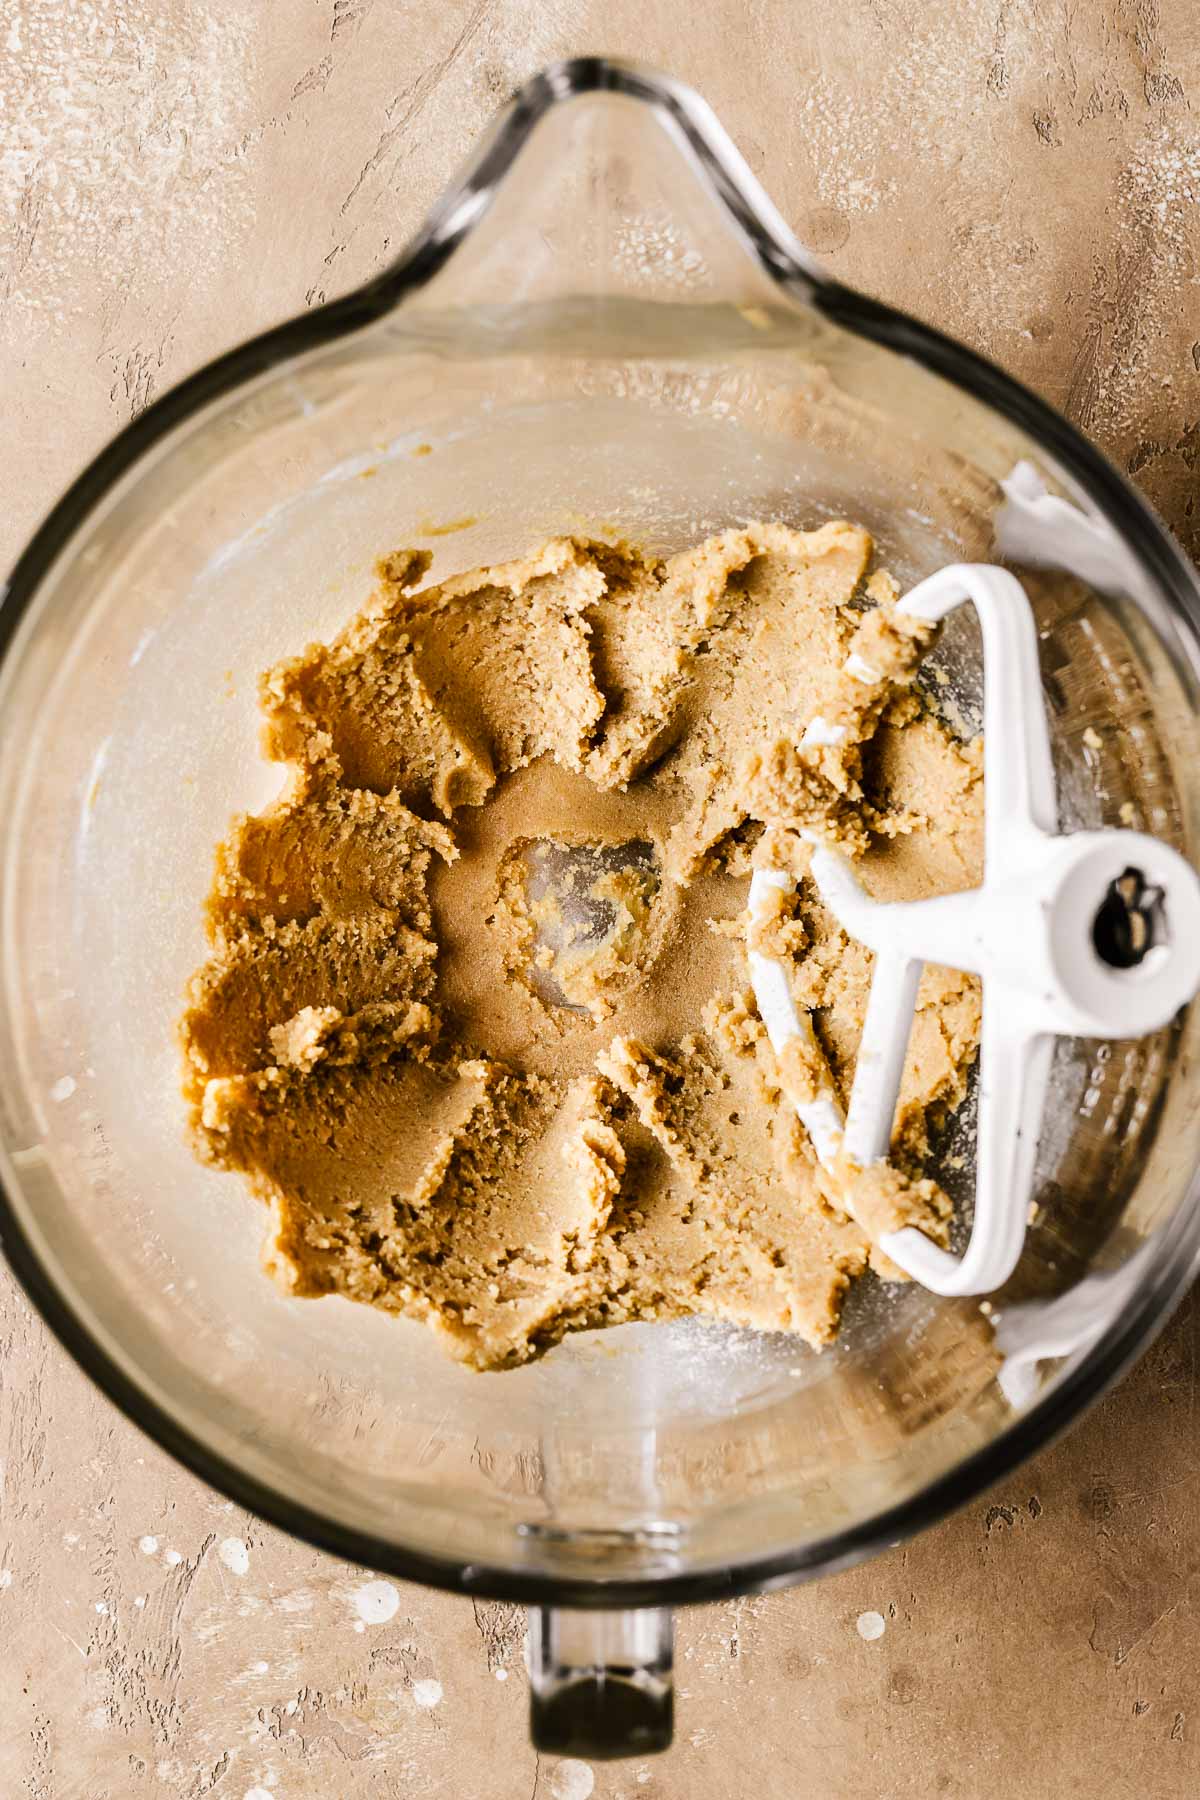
[604,327]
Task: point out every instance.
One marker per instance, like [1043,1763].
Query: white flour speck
[101,1606]
[259,1668]
[234,1555]
[870,1625]
[139,1600]
[63,1088]
[501,1674]
[258,1793]
[6,1578]
[148,1546]
[427,1693]
[173,1557]
[572,1780]
[376,1602]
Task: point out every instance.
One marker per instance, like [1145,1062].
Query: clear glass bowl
[604,326]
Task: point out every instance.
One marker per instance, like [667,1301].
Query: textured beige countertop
[175,174]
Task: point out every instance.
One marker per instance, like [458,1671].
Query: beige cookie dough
[476,1022]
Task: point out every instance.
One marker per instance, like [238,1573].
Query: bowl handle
[601,1683]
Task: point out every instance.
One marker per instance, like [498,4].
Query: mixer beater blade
[1089,933]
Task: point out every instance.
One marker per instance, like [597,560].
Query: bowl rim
[783,259]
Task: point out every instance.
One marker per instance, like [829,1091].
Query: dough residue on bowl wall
[476,1020]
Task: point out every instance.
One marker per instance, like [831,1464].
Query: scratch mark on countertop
[414,99]
[348,15]
[501,1625]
